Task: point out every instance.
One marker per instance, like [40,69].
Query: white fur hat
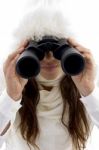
[40,22]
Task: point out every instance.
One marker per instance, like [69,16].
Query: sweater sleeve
[8,110]
[91,103]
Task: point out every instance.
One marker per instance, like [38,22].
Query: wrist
[13,96]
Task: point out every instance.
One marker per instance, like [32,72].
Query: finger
[13,63]
[18,51]
[89,60]
[23,44]
[11,66]
[15,59]
[20,48]
[11,57]
[78,46]
[73,42]
[87,54]
[83,50]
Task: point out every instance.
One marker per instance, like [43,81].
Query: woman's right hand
[14,82]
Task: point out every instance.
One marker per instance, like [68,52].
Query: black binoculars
[28,64]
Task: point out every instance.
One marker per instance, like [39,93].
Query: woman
[53,111]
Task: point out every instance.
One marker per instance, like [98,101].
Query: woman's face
[50,67]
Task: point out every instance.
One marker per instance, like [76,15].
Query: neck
[49,84]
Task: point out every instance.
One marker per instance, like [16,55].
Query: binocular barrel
[28,64]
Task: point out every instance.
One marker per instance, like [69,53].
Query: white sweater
[53,135]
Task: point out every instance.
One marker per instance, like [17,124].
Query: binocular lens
[27,65]
[73,64]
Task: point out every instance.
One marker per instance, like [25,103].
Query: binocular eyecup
[28,64]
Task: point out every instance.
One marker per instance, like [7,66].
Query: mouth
[49,67]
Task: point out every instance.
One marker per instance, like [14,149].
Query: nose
[49,55]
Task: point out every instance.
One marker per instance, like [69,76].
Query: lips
[49,66]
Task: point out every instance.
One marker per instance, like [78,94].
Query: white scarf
[51,103]
[49,112]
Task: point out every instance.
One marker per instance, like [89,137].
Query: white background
[83,15]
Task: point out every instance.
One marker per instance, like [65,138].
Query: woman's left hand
[85,80]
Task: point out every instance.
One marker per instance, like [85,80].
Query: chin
[50,76]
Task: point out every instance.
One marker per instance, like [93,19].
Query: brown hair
[78,125]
